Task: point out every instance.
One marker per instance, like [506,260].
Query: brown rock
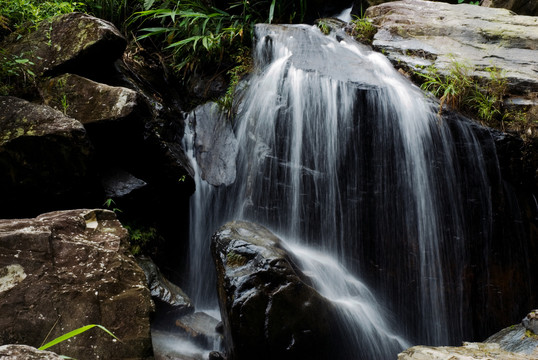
[66,269]
[88,101]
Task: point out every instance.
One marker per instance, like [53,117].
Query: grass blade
[75,333]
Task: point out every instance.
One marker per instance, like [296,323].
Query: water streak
[338,150]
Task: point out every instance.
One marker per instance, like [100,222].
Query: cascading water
[338,151]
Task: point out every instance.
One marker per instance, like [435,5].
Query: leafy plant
[111,204]
[14,13]
[197,34]
[141,237]
[244,65]
[14,70]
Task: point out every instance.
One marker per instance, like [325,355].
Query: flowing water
[355,169]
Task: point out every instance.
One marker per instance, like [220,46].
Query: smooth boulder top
[421,33]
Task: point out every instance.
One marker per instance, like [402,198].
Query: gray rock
[163,290]
[88,101]
[201,329]
[267,309]
[66,269]
[416,34]
[25,352]
[530,322]
[66,42]
[118,183]
[215,144]
[515,339]
[469,351]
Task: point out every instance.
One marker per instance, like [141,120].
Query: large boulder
[89,101]
[416,34]
[66,269]
[268,310]
[45,157]
[67,42]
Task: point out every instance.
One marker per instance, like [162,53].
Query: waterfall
[338,152]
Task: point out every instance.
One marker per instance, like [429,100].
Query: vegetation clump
[362,29]
[480,99]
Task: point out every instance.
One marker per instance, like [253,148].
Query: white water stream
[339,152]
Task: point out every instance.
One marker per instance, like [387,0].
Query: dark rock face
[24,352]
[44,156]
[165,293]
[268,311]
[215,144]
[66,269]
[69,41]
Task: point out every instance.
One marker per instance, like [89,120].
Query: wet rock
[66,269]
[530,322]
[25,352]
[45,157]
[516,339]
[215,144]
[201,329]
[68,42]
[88,101]
[415,34]
[215,355]
[175,346]
[268,311]
[170,297]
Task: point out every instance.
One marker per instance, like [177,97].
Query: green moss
[234,259]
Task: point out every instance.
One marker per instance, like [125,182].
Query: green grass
[482,99]
[362,29]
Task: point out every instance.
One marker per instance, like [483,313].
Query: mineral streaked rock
[469,351]
[10,276]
